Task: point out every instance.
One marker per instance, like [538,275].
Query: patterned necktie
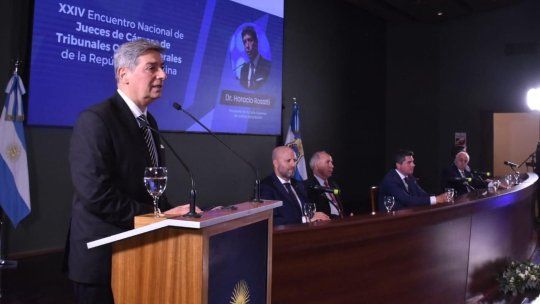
[143,123]
[334,200]
[291,193]
[406,182]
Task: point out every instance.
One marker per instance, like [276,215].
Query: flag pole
[4,263]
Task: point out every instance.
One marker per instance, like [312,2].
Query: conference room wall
[334,59]
[450,77]
[334,65]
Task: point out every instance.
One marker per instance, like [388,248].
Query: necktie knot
[288,187]
[142,121]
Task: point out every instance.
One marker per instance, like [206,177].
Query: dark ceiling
[428,11]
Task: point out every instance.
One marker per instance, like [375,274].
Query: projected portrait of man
[255,72]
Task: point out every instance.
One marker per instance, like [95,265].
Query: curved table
[446,253]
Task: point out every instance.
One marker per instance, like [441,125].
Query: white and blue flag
[14,188]
[294,141]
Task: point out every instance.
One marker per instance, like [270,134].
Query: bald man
[281,186]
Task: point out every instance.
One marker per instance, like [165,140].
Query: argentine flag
[14,190]
[294,141]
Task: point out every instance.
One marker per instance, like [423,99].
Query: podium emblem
[240,293]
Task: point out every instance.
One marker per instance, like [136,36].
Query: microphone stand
[192,191]
[257,179]
[4,264]
[531,156]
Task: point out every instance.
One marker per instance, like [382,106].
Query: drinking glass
[450,194]
[496,184]
[389,202]
[155,180]
[309,211]
[509,179]
[516,178]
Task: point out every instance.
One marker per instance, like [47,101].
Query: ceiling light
[533,99]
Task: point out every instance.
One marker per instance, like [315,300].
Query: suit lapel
[130,123]
[400,181]
[281,189]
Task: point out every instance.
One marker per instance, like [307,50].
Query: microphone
[509,163]
[320,188]
[192,192]
[257,179]
[236,68]
[460,180]
[481,173]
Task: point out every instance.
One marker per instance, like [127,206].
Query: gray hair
[128,53]
[315,158]
[463,153]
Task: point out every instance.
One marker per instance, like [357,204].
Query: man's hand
[442,198]
[320,216]
[181,210]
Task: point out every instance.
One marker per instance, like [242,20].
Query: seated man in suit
[331,204]
[281,186]
[401,184]
[459,176]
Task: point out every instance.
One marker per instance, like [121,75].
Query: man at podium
[108,153]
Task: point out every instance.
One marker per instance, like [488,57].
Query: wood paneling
[437,254]
[172,264]
[170,269]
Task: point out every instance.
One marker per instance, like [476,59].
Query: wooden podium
[223,257]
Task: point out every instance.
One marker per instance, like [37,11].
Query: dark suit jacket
[392,184]
[107,156]
[321,200]
[290,212]
[262,71]
[451,178]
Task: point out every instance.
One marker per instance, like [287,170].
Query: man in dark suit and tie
[331,204]
[109,151]
[281,186]
[459,176]
[401,184]
[255,72]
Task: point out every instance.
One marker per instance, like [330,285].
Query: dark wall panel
[334,59]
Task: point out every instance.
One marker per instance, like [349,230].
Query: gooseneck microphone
[481,173]
[320,188]
[236,68]
[509,163]
[257,180]
[193,191]
[512,165]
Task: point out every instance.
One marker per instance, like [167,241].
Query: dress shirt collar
[283,181]
[320,180]
[400,174]
[132,106]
